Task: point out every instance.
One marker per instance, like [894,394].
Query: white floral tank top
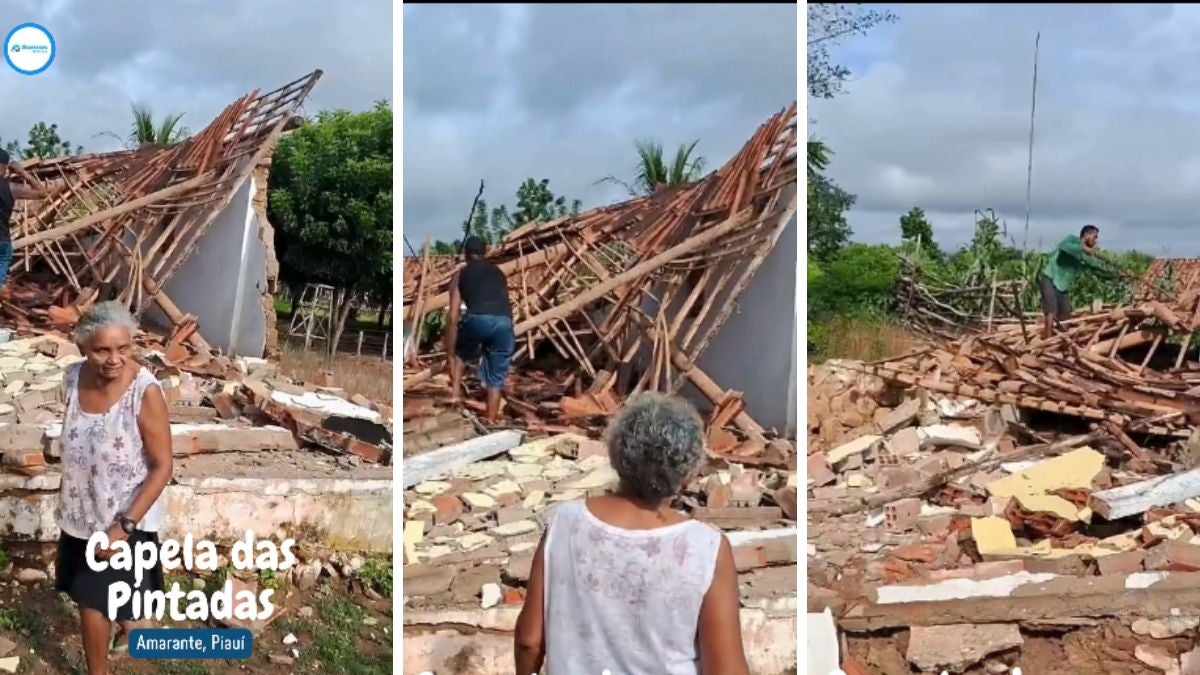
[103,461]
[624,602]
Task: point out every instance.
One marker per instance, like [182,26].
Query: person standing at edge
[1064,262]
[9,193]
[486,326]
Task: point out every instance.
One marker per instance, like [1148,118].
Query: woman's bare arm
[530,635]
[154,423]
[720,629]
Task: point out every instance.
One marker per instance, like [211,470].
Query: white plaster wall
[220,283]
[250,332]
[352,515]
[755,351]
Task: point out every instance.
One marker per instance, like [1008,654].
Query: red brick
[514,596]
[819,472]
[786,498]
[1068,565]
[590,448]
[936,526]
[719,496]
[901,515]
[851,666]
[24,459]
[983,570]
[509,499]
[1127,562]
[225,406]
[371,453]
[449,508]
[918,552]
[720,440]
[1174,556]
[896,476]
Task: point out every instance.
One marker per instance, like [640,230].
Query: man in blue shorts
[9,193]
[485,331]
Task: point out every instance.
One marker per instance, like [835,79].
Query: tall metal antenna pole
[1032,111]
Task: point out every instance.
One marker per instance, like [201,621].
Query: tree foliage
[330,201]
[916,230]
[534,201]
[653,172]
[43,142]
[828,229]
[146,131]
[828,25]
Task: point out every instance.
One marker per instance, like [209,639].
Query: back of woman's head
[655,442]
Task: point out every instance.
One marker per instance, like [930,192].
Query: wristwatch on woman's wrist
[126,524]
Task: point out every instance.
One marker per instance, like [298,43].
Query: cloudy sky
[937,115]
[506,92]
[189,56]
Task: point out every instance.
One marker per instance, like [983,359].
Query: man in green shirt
[1064,262]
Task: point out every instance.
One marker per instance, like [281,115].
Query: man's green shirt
[1065,261]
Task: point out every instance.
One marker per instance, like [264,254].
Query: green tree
[828,230]
[331,203]
[653,172]
[535,202]
[915,229]
[44,143]
[828,24]
[856,280]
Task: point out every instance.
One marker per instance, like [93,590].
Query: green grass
[337,646]
[188,667]
[32,625]
[377,573]
[268,578]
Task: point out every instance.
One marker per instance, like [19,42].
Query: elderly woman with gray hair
[624,584]
[116,460]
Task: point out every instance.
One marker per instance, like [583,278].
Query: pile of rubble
[474,515]
[624,298]
[249,410]
[955,523]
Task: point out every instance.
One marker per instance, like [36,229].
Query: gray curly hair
[103,315]
[655,442]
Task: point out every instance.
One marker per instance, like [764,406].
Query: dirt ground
[342,634]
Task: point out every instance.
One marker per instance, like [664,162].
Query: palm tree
[168,132]
[654,173]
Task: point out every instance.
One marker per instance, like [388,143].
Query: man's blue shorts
[494,337]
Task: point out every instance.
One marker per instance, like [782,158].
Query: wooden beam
[120,210]
[441,300]
[637,271]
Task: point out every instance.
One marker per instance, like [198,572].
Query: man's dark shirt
[6,209]
[484,289]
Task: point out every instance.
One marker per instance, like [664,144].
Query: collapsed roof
[129,220]
[644,284]
[1131,367]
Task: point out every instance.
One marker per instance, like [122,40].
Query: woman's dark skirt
[89,588]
